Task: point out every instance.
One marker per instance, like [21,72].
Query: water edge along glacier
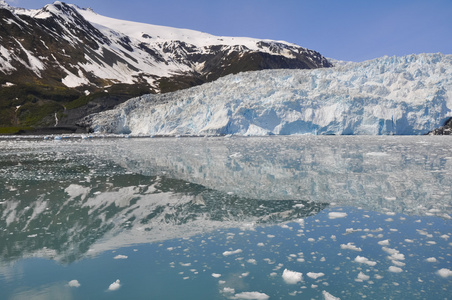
[408,95]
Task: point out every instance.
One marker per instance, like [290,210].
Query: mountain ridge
[68,53]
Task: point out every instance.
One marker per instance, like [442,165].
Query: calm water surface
[226,218]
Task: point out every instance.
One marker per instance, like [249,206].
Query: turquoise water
[226,218]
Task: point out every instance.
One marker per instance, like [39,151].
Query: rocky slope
[62,57]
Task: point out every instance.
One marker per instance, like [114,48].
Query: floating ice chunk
[228,290]
[120,257]
[115,285]
[431,259]
[383,243]
[314,275]
[336,215]
[362,277]
[251,296]
[292,277]
[215,275]
[398,263]
[227,253]
[351,230]
[350,246]
[394,254]
[377,154]
[363,260]
[395,269]
[328,296]
[444,273]
[73,283]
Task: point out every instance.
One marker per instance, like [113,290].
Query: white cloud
[120,257]
[215,275]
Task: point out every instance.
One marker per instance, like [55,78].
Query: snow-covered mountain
[389,95]
[77,47]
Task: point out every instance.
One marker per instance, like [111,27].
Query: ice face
[390,95]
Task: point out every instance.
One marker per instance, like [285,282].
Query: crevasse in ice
[388,95]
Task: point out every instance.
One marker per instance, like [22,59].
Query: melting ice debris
[362,277]
[328,296]
[388,95]
[364,260]
[314,275]
[74,283]
[227,253]
[292,277]
[445,273]
[251,296]
[395,269]
[350,246]
[336,215]
[115,285]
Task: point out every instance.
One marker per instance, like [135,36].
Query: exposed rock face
[62,53]
[443,130]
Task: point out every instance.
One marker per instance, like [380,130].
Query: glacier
[407,95]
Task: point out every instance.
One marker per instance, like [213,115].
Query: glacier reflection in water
[223,218]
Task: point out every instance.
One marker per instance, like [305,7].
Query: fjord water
[295,217]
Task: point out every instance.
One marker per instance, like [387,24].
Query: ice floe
[445,273]
[364,260]
[74,283]
[292,277]
[115,285]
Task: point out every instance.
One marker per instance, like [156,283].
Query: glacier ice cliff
[407,95]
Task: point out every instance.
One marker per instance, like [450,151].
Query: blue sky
[354,30]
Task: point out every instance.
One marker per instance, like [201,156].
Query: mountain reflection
[71,199]
[66,221]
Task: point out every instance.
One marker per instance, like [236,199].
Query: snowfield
[407,95]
